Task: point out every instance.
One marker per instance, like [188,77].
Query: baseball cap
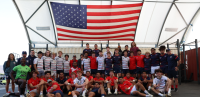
[49,80]
[168,50]
[74,55]
[24,52]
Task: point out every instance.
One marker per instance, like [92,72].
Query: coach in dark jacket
[31,58]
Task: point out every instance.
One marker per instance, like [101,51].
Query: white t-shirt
[59,62]
[105,54]
[86,63]
[47,61]
[79,82]
[101,65]
[66,66]
[161,82]
[125,61]
[39,63]
[53,65]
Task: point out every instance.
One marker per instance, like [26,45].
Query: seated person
[130,89]
[61,80]
[129,78]
[90,79]
[112,83]
[53,89]
[161,84]
[81,85]
[46,77]
[97,91]
[70,83]
[35,85]
[146,81]
[98,78]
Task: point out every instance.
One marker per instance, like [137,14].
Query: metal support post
[108,43]
[101,47]
[197,58]
[167,46]
[82,43]
[30,48]
[184,60]
[179,72]
[47,47]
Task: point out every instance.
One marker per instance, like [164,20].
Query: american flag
[96,22]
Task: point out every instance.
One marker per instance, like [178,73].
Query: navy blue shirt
[108,62]
[31,59]
[96,52]
[117,60]
[142,79]
[172,61]
[27,61]
[89,51]
[147,63]
[155,61]
[61,81]
[128,53]
[163,60]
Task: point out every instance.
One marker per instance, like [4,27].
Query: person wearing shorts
[90,79]
[66,65]
[155,61]
[61,80]
[59,61]
[98,78]
[132,65]
[125,63]
[107,50]
[130,89]
[117,60]
[145,81]
[70,83]
[39,65]
[163,60]
[147,64]
[112,83]
[85,65]
[53,89]
[97,91]
[80,83]
[140,63]
[100,63]
[129,78]
[47,60]
[108,63]
[93,64]
[53,66]
[46,77]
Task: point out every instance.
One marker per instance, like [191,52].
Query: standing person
[134,48]
[61,80]
[70,83]
[53,66]
[97,91]
[146,81]
[21,72]
[125,63]
[73,60]
[132,65]
[107,50]
[101,65]
[24,54]
[53,89]
[47,60]
[7,68]
[126,49]
[67,66]
[117,61]
[79,61]
[59,61]
[147,64]
[112,83]
[74,69]
[80,84]
[155,61]
[38,65]
[163,60]
[96,50]
[161,84]
[93,64]
[87,49]
[108,64]
[130,89]
[31,58]
[140,63]
[120,51]
[98,78]
[173,68]
[85,65]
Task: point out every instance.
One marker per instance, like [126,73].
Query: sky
[13,37]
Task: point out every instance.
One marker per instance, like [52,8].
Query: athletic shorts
[153,68]
[161,90]
[107,72]
[133,89]
[148,71]
[53,73]
[140,70]
[66,74]
[96,92]
[134,71]
[172,74]
[101,71]
[125,71]
[8,77]
[117,70]
[41,73]
[93,71]
[164,69]
[58,91]
[34,91]
[79,90]
[58,71]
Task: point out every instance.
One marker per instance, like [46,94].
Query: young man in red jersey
[53,89]
[129,78]
[98,78]
[74,68]
[112,83]
[46,77]
[140,63]
[130,89]
[70,83]
[146,81]
[90,79]
[93,64]
[132,65]
[35,85]
[73,60]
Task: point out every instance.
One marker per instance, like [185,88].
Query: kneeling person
[97,91]
[53,89]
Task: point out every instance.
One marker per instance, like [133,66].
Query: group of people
[95,73]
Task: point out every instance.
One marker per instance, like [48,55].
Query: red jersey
[100,79]
[140,62]
[132,63]
[54,83]
[33,82]
[112,80]
[47,79]
[124,85]
[89,78]
[93,63]
[72,69]
[71,62]
[128,79]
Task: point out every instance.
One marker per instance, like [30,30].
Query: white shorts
[133,89]
[84,72]
[34,90]
[153,68]
[79,90]
[162,90]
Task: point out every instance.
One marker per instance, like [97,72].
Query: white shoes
[169,94]
[115,93]
[6,94]
[22,96]
[109,93]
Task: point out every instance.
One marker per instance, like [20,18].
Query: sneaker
[109,93]
[28,95]
[5,95]
[169,95]
[176,89]
[164,95]
[69,93]
[41,95]
[172,89]
[149,95]
[115,93]
[22,96]
[149,88]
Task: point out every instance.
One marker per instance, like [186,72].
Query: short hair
[47,72]
[59,51]
[61,72]
[53,53]
[79,71]
[128,72]
[81,54]
[67,55]
[100,50]
[120,77]
[86,52]
[95,44]
[153,49]
[108,53]
[162,48]
[111,71]
[107,47]
[126,45]
[131,52]
[147,52]
[98,72]
[32,50]
[144,72]
[39,52]
[116,49]
[34,72]
[73,73]
[96,83]
[74,62]
[158,70]
[93,52]
[139,50]
[125,51]
[87,71]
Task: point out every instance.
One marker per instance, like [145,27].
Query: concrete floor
[185,90]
